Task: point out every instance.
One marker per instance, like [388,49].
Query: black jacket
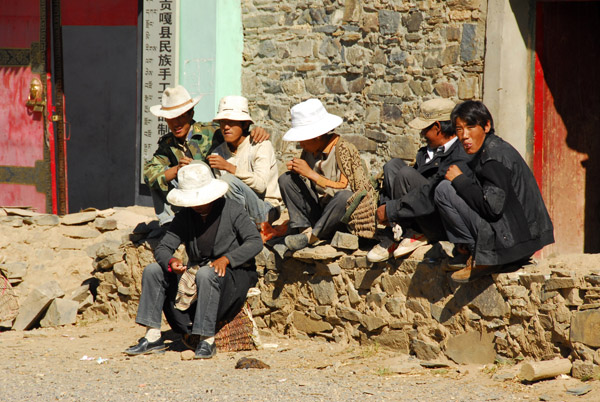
[419,202]
[505,194]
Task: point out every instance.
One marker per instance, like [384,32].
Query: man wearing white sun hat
[250,169]
[328,186]
[221,242]
[187,140]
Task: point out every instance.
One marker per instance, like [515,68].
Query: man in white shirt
[406,201]
[249,168]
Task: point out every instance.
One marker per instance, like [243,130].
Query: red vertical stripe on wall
[538,125]
[100,13]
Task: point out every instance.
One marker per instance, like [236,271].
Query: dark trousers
[219,298]
[398,180]
[306,210]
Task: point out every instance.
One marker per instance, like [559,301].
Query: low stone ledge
[409,305]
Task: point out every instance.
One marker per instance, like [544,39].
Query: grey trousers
[159,289]
[305,208]
[398,180]
[257,208]
[460,221]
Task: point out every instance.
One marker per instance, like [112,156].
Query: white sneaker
[378,254]
[410,244]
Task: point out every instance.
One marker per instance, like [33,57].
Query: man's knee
[285,180]
[206,274]
[153,271]
[394,166]
[443,192]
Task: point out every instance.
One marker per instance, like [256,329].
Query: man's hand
[183,162]
[220,265]
[453,172]
[382,216]
[300,166]
[259,134]
[177,266]
[218,162]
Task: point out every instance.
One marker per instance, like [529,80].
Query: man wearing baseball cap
[406,202]
[186,141]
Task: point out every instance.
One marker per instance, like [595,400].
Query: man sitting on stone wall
[187,141]
[328,187]
[406,201]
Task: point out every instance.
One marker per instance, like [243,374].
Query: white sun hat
[175,102]
[310,120]
[233,108]
[197,186]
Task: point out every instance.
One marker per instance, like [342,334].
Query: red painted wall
[100,13]
[19,23]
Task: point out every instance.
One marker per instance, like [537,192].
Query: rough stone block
[419,305]
[425,350]
[267,48]
[293,87]
[36,303]
[445,89]
[108,248]
[108,262]
[584,370]
[309,325]
[78,218]
[60,312]
[105,224]
[260,21]
[331,269]
[585,328]
[14,271]
[468,43]
[559,283]
[345,241]
[471,348]
[361,143]
[80,232]
[323,289]
[324,252]
[394,306]
[370,22]
[377,298]
[364,279]
[397,340]
[80,293]
[527,279]
[391,114]
[371,322]
[45,220]
[336,85]
[348,313]
[413,21]
[485,297]
[389,21]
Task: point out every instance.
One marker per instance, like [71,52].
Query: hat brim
[420,123]
[233,115]
[201,196]
[314,130]
[158,110]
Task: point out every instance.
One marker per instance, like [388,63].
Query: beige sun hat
[175,102]
[431,111]
[233,107]
[197,186]
[310,120]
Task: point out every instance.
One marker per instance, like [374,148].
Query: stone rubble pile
[49,261]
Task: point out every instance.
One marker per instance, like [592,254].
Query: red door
[567,122]
[25,143]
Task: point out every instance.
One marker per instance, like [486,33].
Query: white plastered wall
[507,81]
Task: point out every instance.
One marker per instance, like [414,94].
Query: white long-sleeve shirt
[256,166]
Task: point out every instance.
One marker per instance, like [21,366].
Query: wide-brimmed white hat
[431,111]
[310,120]
[197,186]
[233,108]
[175,102]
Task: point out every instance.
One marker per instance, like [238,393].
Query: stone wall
[372,62]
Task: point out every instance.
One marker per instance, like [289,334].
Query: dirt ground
[63,364]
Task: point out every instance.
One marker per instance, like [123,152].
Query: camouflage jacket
[205,137]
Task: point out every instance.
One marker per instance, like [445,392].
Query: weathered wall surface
[372,62]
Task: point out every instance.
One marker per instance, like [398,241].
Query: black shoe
[144,347]
[296,242]
[205,350]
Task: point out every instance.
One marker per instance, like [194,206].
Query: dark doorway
[567,121]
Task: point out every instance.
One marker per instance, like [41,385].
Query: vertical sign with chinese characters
[159,68]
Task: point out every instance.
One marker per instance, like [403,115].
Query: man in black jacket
[407,198]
